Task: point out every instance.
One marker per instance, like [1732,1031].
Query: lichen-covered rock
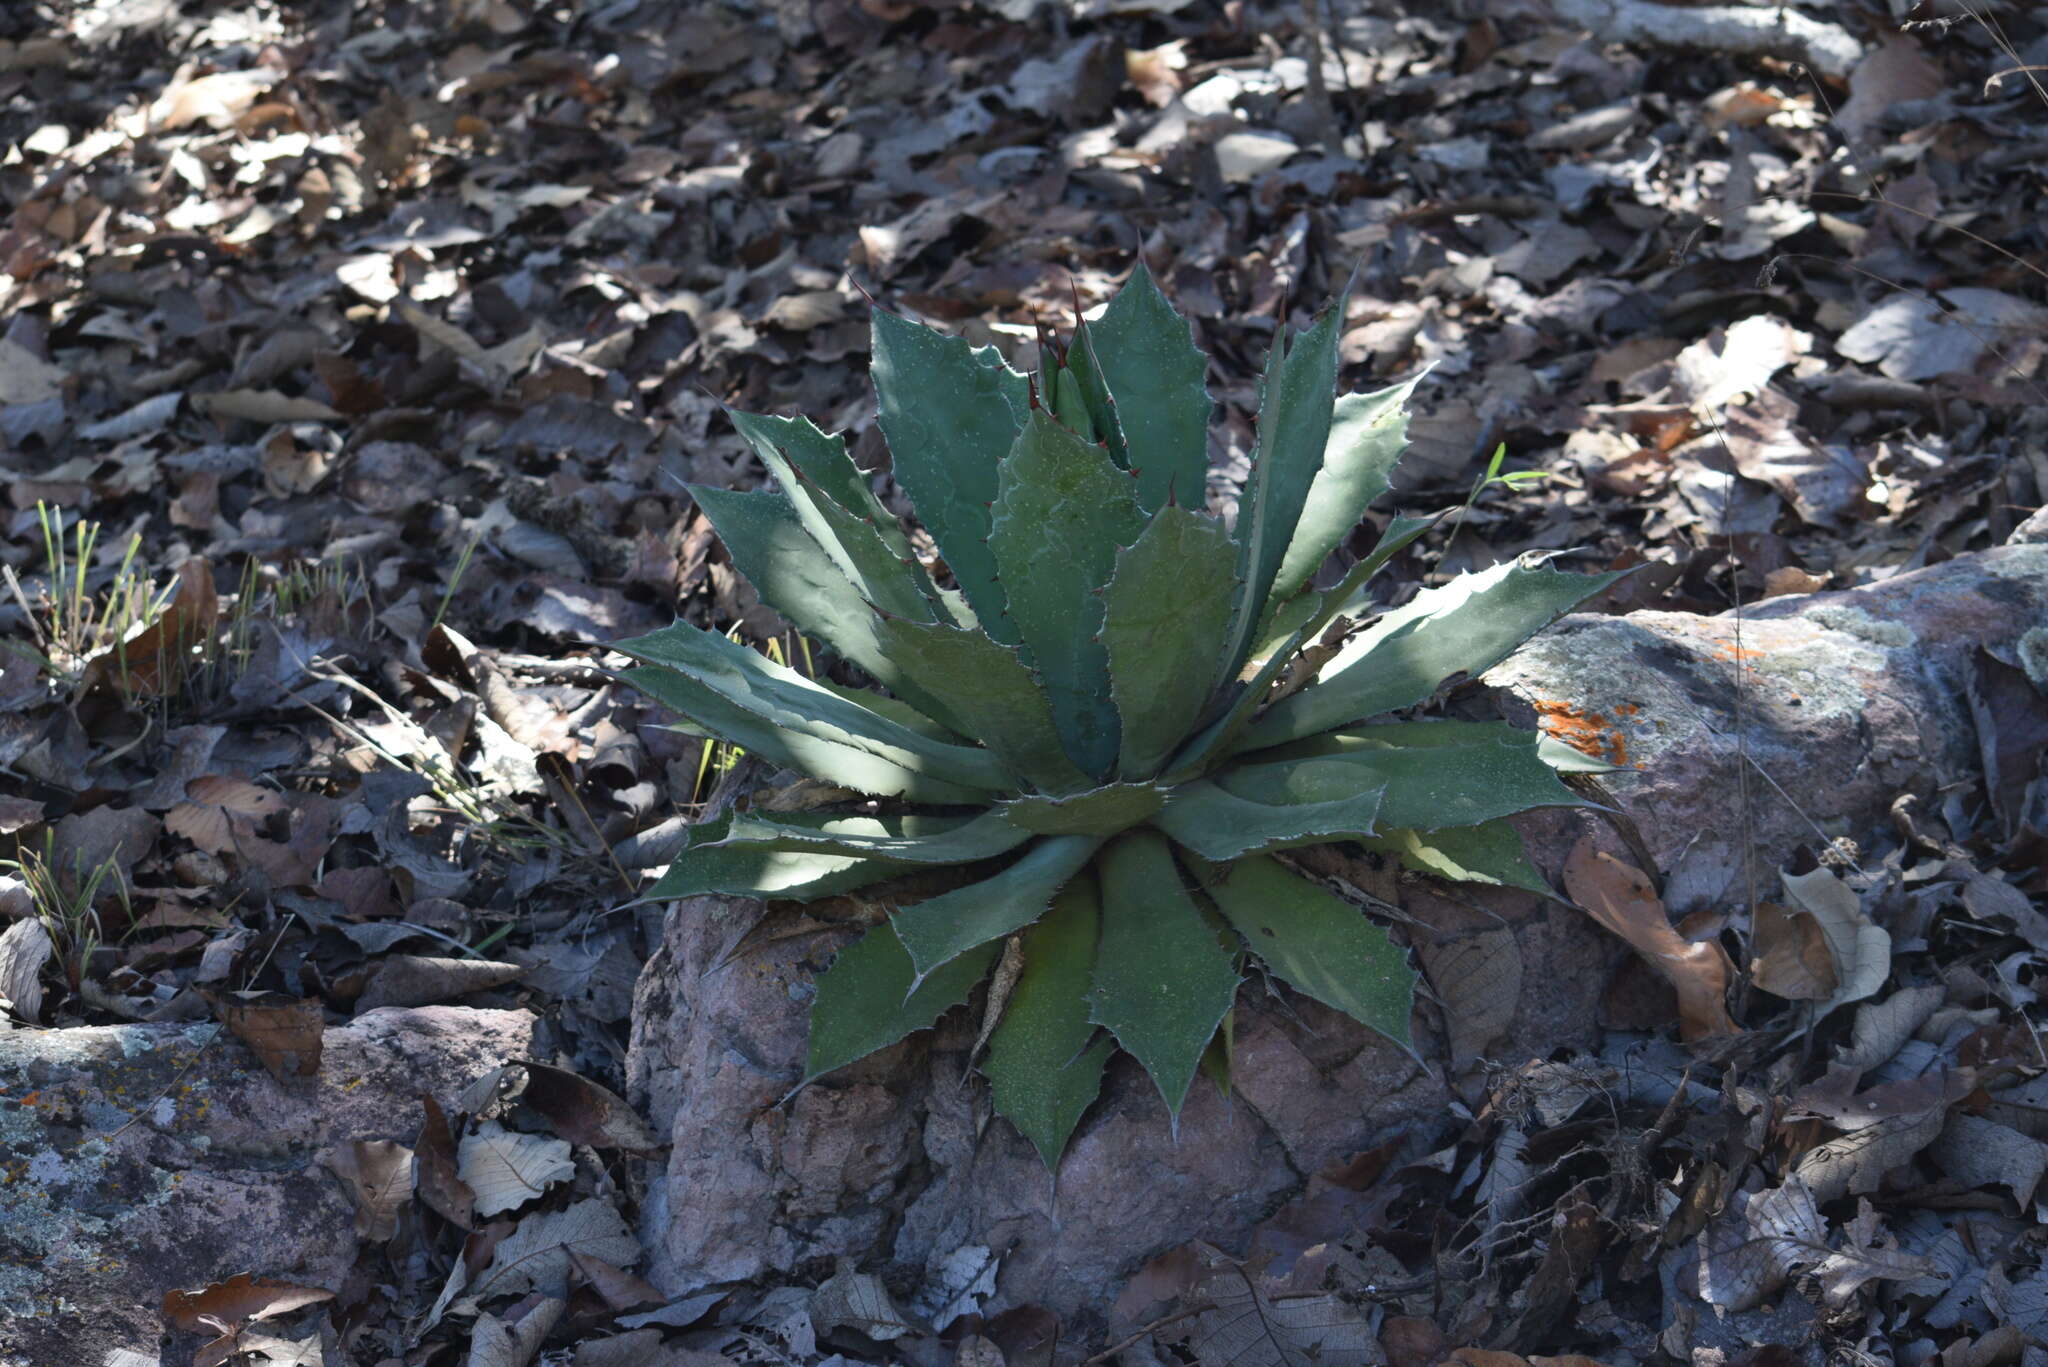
[139,1159]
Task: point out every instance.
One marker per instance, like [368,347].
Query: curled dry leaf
[283,1032]
[582,1112]
[1620,898]
[1860,950]
[440,1182]
[417,980]
[238,1300]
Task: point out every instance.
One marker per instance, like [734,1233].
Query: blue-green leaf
[1218,824]
[1043,1071]
[1466,627]
[1164,976]
[1436,773]
[1367,435]
[787,700]
[993,695]
[866,1001]
[840,512]
[1166,608]
[912,839]
[1319,944]
[950,412]
[940,928]
[1488,853]
[702,866]
[1294,430]
[794,575]
[1223,734]
[1062,512]
[809,752]
[1100,811]
[1145,353]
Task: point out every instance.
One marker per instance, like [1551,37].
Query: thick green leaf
[1166,608]
[781,696]
[1146,354]
[1063,511]
[1436,773]
[1367,435]
[1319,944]
[1223,734]
[702,867]
[832,761]
[866,1002]
[840,512]
[1065,396]
[988,689]
[950,412]
[1488,853]
[1084,372]
[795,576]
[1218,824]
[1295,401]
[1466,627]
[1100,811]
[912,839]
[938,929]
[1043,1071]
[1163,976]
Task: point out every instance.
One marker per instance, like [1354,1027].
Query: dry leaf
[440,1182]
[238,1300]
[24,948]
[1981,1154]
[1792,959]
[506,1169]
[536,1254]
[379,1173]
[858,1301]
[513,1339]
[415,980]
[283,1032]
[582,1112]
[1858,1161]
[1479,978]
[1862,951]
[1620,898]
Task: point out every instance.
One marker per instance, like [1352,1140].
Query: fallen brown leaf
[1620,898]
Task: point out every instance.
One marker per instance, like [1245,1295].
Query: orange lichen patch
[1590,733]
[1727,650]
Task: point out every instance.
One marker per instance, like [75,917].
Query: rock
[139,1159]
[1852,698]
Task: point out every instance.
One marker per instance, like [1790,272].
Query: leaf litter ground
[387,334]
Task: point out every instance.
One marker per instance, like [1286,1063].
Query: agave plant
[1105,710]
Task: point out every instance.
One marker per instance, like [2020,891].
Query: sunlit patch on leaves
[1131,778]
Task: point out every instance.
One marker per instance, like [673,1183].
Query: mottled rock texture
[139,1159]
[1847,699]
